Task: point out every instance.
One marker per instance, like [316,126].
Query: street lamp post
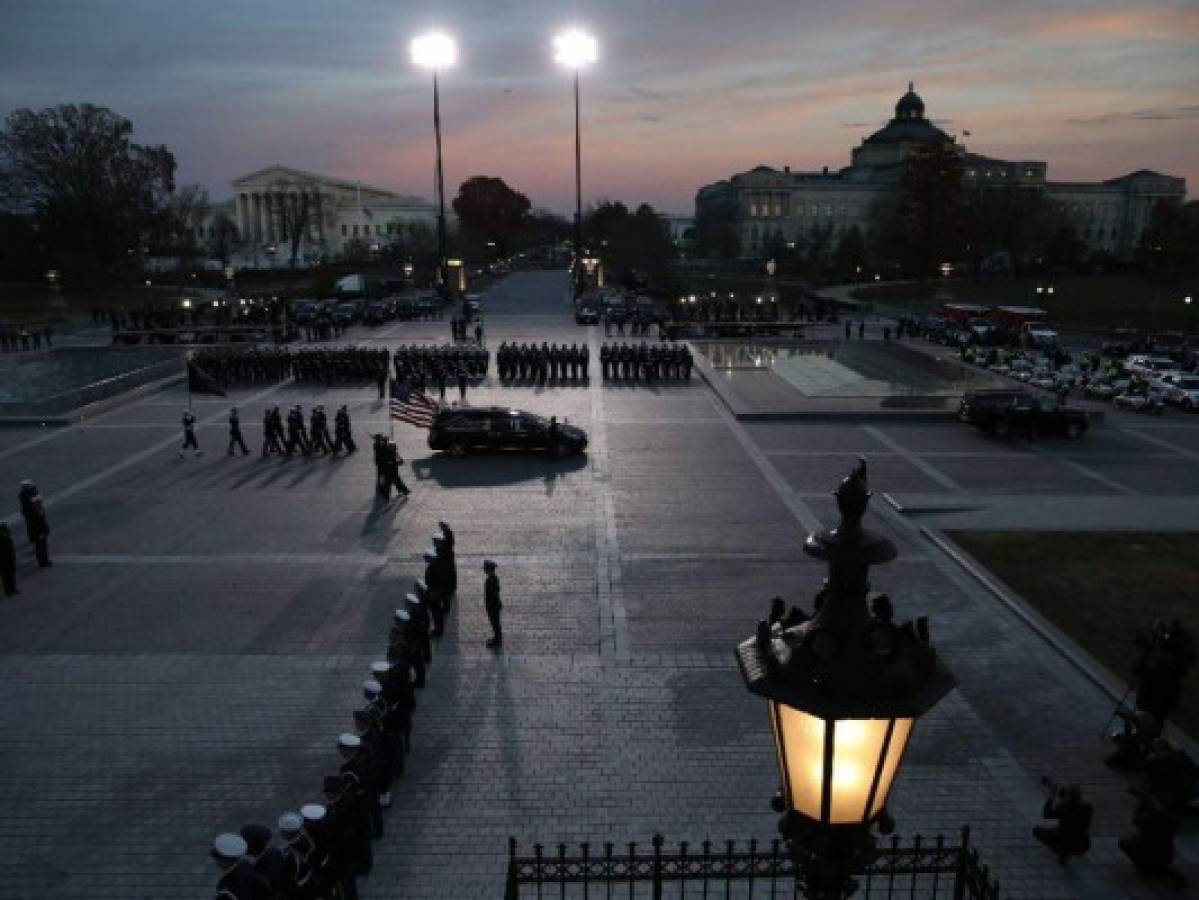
[573,49]
[435,51]
[844,691]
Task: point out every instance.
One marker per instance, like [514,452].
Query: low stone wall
[103,389]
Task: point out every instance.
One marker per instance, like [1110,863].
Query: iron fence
[920,870]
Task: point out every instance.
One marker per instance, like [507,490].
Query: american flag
[410,406]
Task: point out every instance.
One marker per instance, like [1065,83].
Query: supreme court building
[267,205]
[769,204]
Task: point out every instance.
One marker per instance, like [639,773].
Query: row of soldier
[37,528]
[314,439]
[14,340]
[351,365]
[426,360]
[651,362]
[530,362]
[324,848]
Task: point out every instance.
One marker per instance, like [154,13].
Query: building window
[778,209]
[844,209]
[970,173]
[753,210]
[815,210]
[828,209]
[343,229]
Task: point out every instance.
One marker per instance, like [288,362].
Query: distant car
[1003,412]
[1149,404]
[1184,392]
[459,430]
[586,314]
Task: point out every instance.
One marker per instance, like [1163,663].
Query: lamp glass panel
[899,741]
[801,739]
[857,746]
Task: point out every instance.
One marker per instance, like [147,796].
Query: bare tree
[223,238]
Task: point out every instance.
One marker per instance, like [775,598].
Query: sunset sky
[685,93]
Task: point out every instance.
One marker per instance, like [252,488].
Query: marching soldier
[8,561]
[450,562]
[235,438]
[319,431]
[295,432]
[492,604]
[605,356]
[270,444]
[239,881]
[342,437]
[392,462]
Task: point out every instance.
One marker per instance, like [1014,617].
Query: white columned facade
[256,217]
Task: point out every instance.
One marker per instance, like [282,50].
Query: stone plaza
[187,664]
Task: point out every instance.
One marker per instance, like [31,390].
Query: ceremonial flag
[410,406]
[200,382]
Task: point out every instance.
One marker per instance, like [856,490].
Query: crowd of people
[1169,779]
[37,529]
[653,362]
[323,848]
[20,338]
[542,363]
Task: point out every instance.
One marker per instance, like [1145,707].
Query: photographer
[1071,836]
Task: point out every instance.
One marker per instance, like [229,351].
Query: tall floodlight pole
[435,51]
[573,49]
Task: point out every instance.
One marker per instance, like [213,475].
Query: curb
[1057,639]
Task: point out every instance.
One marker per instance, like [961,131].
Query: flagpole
[187,364]
[391,422]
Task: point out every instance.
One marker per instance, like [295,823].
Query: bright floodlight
[575,48]
[435,50]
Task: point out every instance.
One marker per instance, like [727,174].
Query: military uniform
[189,431]
[492,604]
[342,437]
[268,861]
[235,438]
[8,561]
[298,856]
[239,881]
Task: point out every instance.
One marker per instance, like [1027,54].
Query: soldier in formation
[425,363]
[321,851]
[544,363]
[268,365]
[657,362]
[318,430]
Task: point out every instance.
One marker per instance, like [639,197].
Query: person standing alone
[492,604]
[189,433]
[235,438]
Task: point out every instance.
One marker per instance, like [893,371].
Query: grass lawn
[1100,588]
[1083,301]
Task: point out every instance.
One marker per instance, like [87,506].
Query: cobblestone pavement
[186,665]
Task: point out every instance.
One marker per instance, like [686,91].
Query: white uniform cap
[229,846]
[413,599]
[371,688]
[402,615]
[349,741]
[290,823]
[380,667]
[312,812]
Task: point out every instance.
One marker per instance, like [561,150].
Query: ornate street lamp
[574,49]
[436,51]
[844,691]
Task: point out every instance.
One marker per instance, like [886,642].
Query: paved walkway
[187,664]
